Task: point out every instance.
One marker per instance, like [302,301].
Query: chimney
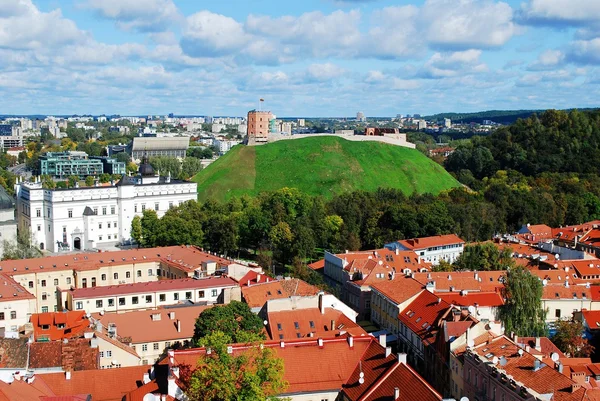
[351,341]
[282,344]
[516,339]
[538,344]
[178,325]
[68,375]
[332,325]
[258,278]
[402,358]
[397,251]
[383,340]
[388,351]
[320,342]
[321,302]
[146,378]
[560,367]
[396,393]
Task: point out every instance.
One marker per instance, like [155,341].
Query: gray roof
[154,143]
[6,201]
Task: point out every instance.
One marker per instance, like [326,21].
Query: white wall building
[432,249]
[151,295]
[8,224]
[87,218]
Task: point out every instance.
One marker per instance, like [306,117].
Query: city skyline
[314,58]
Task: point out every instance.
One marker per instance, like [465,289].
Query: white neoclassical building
[87,218]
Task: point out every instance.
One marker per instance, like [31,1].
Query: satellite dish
[520,352]
[555,357]
[362,374]
[545,282]
[464,399]
[265,322]
[495,360]
[361,380]
[503,361]
[472,309]
[470,343]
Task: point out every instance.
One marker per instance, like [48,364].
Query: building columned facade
[87,218]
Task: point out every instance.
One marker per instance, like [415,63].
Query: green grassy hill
[320,166]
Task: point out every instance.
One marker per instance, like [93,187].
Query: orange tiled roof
[595,291]
[10,290]
[183,257]
[562,292]
[400,289]
[75,354]
[592,318]
[546,345]
[336,361]
[141,328]
[472,298]
[74,323]
[428,242]
[300,323]
[422,315]
[19,390]
[381,375]
[103,384]
[257,295]
[487,281]
[546,380]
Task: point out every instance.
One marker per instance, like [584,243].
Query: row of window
[135,300]
[43,282]
[13,315]
[156,206]
[114,225]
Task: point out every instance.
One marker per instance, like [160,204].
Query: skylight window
[279,326]
[297,326]
[312,324]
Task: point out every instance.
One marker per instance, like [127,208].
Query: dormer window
[45,327]
[60,325]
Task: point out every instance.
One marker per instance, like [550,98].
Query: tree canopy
[235,320]
[523,313]
[569,339]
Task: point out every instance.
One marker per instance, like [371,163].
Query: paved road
[20,169]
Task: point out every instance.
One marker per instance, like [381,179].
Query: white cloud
[141,15]
[443,65]
[210,34]
[548,59]
[585,51]
[394,33]
[463,24]
[561,11]
[23,26]
[324,72]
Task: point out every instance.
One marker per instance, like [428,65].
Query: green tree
[89,181]
[190,167]
[104,178]
[150,228]
[123,157]
[166,165]
[136,229]
[256,373]
[484,256]
[569,339]
[523,313]
[235,320]
[20,248]
[72,180]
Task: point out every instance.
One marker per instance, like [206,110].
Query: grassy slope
[321,166]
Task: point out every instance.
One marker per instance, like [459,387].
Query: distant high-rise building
[421,124]
[258,126]
[360,117]
[447,123]
[301,122]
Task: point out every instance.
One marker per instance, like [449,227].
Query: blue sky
[305,58]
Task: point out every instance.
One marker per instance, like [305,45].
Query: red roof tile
[488,281]
[103,384]
[75,325]
[140,327]
[300,323]
[257,295]
[472,298]
[592,318]
[399,289]
[428,242]
[423,313]
[183,257]
[19,390]
[10,290]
